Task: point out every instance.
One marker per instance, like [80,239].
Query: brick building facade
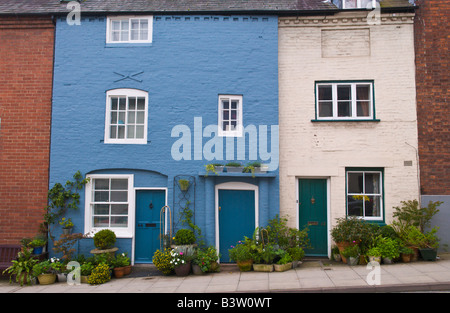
[26,63]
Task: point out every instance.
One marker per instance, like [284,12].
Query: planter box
[46,279]
[283,267]
[235,169]
[428,254]
[245,266]
[263,267]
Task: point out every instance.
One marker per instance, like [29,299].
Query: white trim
[125,92]
[239,120]
[234,186]
[297,210]
[129,17]
[133,240]
[127,232]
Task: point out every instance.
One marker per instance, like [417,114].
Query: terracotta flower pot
[119,272]
[183,270]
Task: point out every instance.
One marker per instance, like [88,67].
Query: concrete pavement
[311,276]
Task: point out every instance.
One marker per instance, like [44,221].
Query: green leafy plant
[162,261]
[184,237]
[212,168]
[65,245]
[374,251]
[242,251]
[351,229]
[205,258]
[264,254]
[184,184]
[406,250]
[351,252]
[104,239]
[410,214]
[22,267]
[100,275]
[296,253]
[38,242]
[44,267]
[285,259]
[389,248]
[233,164]
[121,260]
[86,268]
[66,222]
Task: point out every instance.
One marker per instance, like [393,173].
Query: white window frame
[359,5]
[121,232]
[380,194]
[237,132]
[334,86]
[122,92]
[110,19]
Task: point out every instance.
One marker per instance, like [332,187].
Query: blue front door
[236,218]
[148,224]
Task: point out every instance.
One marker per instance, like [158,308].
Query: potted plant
[283,264]
[67,225]
[242,254]
[120,265]
[406,253]
[38,245]
[45,272]
[348,232]
[100,274]
[374,254]
[216,168]
[429,245]
[335,254]
[254,167]
[205,260]
[297,255]
[264,257]
[60,269]
[181,263]
[85,271]
[234,167]
[185,241]
[352,254]
[163,261]
[104,241]
[389,249]
[184,184]
[22,267]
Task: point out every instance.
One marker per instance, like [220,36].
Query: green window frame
[344,101]
[364,193]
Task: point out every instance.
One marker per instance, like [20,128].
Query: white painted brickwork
[383,53]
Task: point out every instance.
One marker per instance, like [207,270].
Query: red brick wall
[433,86]
[26,67]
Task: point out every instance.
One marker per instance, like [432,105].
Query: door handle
[220,208]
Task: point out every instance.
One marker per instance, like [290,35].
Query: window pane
[141,104]
[344,92]
[344,108]
[365,3]
[121,118]
[113,132]
[101,221]
[140,118]
[233,114]
[355,182]
[131,117]
[225,125]
[372,183]
[115,36]
[101,209]
[119,184]
[134,24]
[325,93]
[373,206]
[349,4]
[115,25]
[233,125]
[225,104]
[113,117]
[134,34]
[226,115]
[114,102]
[101,196]
[121,132]
[122,104]
[144,24]
[131,103]
[119,196]
[363,108]
[354,206]
[119,209]
[234,104]
[139,132]
[362,92]
[130,131]
[119,221]
[325,109]
[101,184]
[144,35]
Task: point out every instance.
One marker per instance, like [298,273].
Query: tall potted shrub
[242,254]
[104,241]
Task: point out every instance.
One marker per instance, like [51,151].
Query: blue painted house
[142,100]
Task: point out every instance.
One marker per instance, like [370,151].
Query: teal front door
[236,219]
[148,208]
[312,208]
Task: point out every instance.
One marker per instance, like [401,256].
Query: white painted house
[347,115]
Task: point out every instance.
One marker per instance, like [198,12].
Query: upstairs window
[358,4]
[126,29]
[230,116]
[126,116]
[344,101]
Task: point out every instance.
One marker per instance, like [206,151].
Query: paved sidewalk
[311,276]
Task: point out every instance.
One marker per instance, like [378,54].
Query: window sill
[352,120]
[128,45]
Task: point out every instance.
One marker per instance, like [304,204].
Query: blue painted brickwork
[192,59]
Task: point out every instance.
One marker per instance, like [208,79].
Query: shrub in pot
[374,254]
[242,254]
[22,267]
[104,239]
